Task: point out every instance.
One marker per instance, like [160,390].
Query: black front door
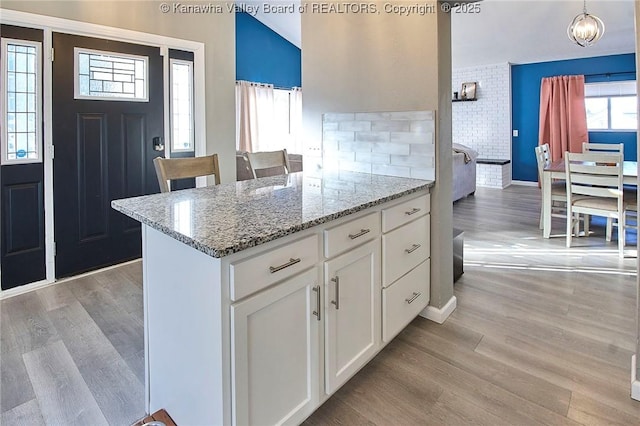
[22,237]
[104,149]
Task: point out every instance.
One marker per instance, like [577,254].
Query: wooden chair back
[594,175]
[276,160]
[603,147]
[543,158]
[168,169]
[594,187]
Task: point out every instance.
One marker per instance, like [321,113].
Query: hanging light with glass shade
[585,29]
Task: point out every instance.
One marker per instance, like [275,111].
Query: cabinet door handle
[359,234]
[317,311]
[337,301]
[291,262]
[413,211]
[413,248]
[412,298]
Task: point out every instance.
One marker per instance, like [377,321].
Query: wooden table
[556,171]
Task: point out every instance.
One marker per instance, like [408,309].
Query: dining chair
[594,187]
[603,147]
[558,189]
[269,163]
[629,196]
[168,169]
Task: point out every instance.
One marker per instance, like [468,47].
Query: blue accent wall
[525,110]
[264,56]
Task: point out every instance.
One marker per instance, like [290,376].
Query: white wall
[377,62]
[484,125]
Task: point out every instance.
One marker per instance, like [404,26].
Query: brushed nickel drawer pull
[414,297]
[359,234]
[317,311]
[413,248]
[337,301]
[413,211]
[291,262]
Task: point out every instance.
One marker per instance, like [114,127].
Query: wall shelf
[464,100]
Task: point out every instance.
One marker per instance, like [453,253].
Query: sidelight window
[110,76]
[181,105]
[21,102]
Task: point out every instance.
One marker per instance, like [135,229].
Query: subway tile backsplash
[398,143]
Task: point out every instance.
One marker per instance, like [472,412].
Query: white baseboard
[524,183]
[635,383]
[440,315]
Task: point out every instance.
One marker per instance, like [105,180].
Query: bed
[464,171]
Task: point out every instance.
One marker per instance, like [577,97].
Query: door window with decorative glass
[21,102]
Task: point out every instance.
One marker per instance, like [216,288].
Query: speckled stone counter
[228,218]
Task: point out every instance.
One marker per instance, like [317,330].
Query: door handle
[337,301]
[317,313]
[158,143]
[413,211]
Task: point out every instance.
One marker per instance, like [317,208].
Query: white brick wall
[386,143]
[493,175]
[485,125]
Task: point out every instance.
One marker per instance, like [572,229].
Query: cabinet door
[352,305]
[275,353]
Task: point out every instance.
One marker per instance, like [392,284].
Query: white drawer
[404,300]
[250,275]
[351,234]
[404,248]
[405,212]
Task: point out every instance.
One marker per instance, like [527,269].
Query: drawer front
[351,234]
[404,300]
[404,248]
[254,274]
[407,211]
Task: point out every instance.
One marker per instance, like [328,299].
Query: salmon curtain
[563,117]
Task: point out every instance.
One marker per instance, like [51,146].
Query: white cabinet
[352,306]
[266,335]
[405,263]
[275,347]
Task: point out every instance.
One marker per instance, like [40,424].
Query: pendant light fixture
[585,29]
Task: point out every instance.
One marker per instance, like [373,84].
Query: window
[110,76]
[611,106]
[268,119]
[21,102]
[181,77]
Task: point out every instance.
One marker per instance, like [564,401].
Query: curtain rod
[609,74]
[267,84]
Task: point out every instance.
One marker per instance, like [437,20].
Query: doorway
[108,124]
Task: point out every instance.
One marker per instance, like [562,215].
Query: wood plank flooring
[542,335]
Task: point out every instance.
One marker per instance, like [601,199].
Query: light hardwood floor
[542,335]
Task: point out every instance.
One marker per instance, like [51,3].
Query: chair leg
[621,235]
[610,228]
[541,212]
[576,224]
[569,227]
[587,219]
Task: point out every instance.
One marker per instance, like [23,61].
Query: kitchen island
[263,297]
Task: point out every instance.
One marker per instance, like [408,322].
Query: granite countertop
[224,219]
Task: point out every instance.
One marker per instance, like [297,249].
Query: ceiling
[515,31]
